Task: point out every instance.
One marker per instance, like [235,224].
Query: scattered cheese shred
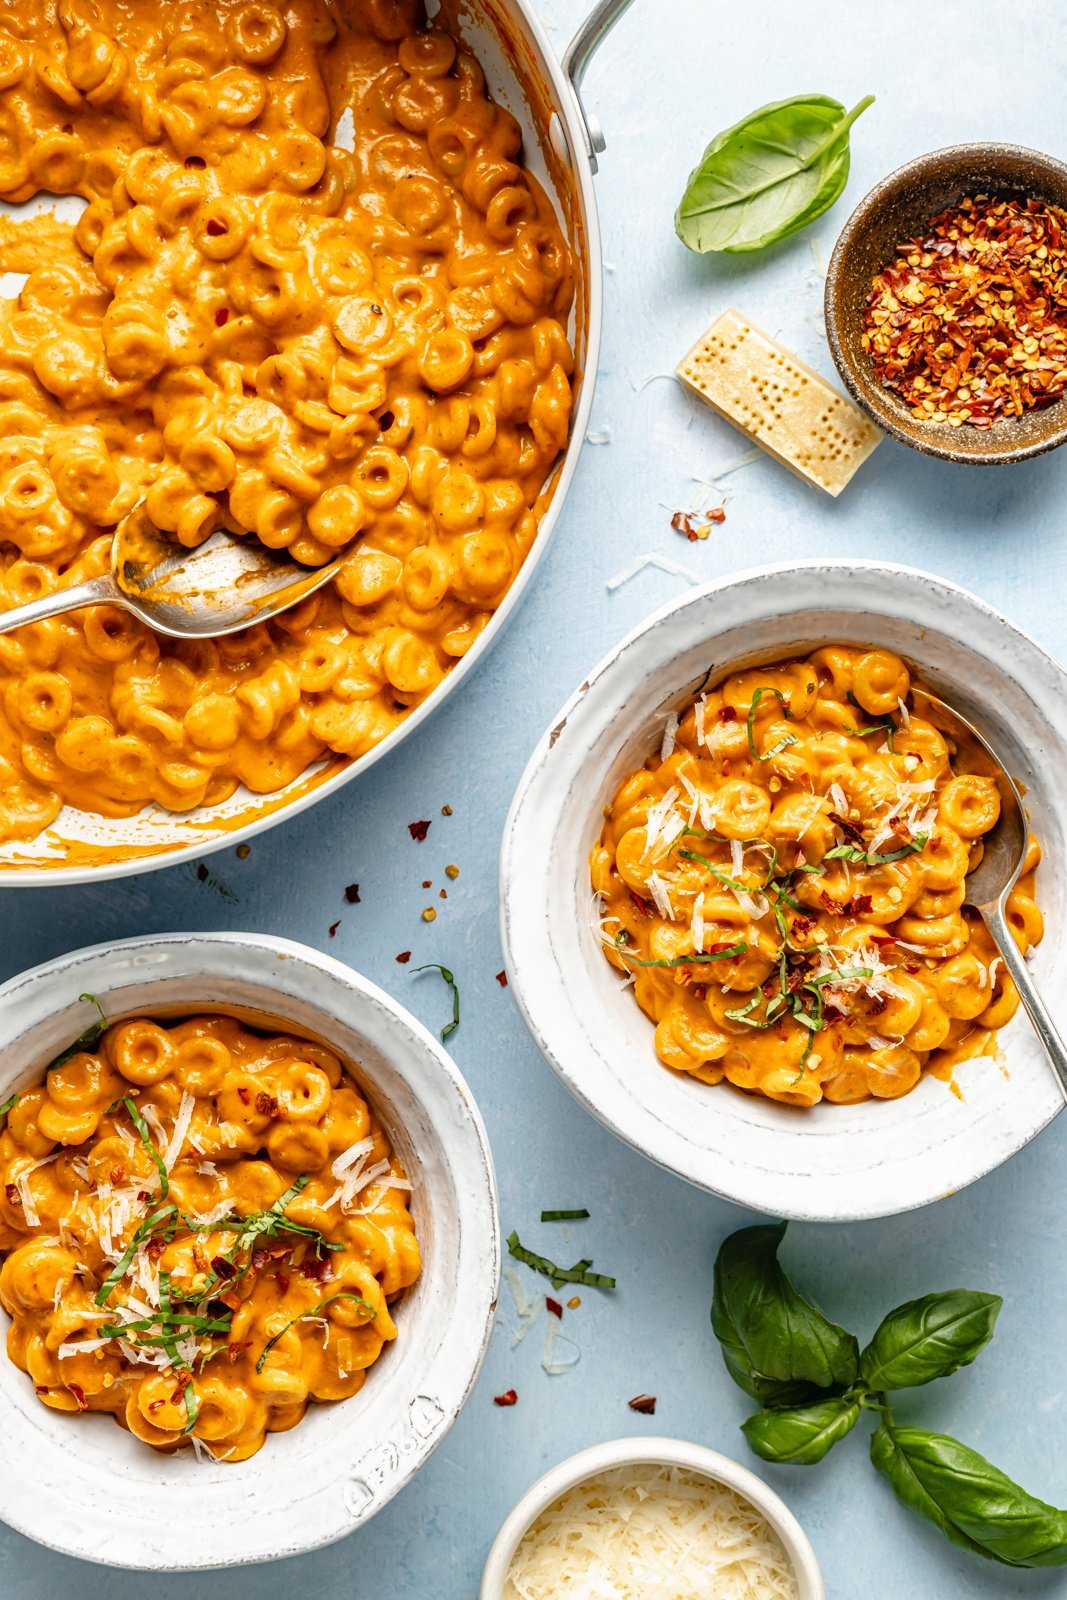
[642,1532]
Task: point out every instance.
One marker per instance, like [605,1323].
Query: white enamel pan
[561,144]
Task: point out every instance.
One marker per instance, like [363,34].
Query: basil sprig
[814,1383]
[771,173]
[773,1339]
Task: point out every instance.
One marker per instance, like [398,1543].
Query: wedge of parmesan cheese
[779,402]
[641,1532]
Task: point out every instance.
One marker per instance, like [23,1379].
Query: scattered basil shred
[434,966]
[564,1216]
[579,1273]
[312,1311]
[85,1041]
[769,175]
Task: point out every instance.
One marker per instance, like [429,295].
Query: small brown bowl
[898,208]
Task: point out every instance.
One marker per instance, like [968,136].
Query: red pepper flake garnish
[143,1194]
[117,1176]
[315,1267]
[966,323]
[508,1398]
[154,1405]
[727,713]
[334,927]
[154,1249]
[202,873]
[222,1268]
[912,966]
[41,1388]
[404,957]
[717,514]
[266,1104]
[882,938]
[502,979]
[215,227]
[222,317]
[802,925]
[352,894]
[553,1306]
[283,1282]
[182,1382]
[427,883]
[646,908]
[418,830]
[234,1351]
[79,1395]
[11,1190]
[244,1094]
[230,1299]
[860,904]
[853,834]
[645,1403]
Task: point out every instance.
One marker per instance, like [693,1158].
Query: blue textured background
[675,72]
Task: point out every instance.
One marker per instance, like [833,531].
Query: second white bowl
[90,1489]
[830,1163]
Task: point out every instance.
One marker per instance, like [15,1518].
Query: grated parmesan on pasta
[650,1533]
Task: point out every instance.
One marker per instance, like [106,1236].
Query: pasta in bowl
[590,792]
[784,879]
[244,1206]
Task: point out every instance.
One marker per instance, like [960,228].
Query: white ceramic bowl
[87,1487]
[652,1452]
[831,1163]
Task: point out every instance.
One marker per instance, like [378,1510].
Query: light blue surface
[675,72]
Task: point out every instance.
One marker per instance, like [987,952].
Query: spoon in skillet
[988,885]
[225,584]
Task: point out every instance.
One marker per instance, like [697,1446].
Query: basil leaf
[929,1338]
[768,1330]
[771,173]
[973,1503]
[803,1436]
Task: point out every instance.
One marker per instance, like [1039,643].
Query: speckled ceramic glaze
[829,1163]
[87,1487]
[655,1453]
[896,209]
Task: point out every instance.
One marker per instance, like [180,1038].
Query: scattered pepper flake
[243,852]
[508,1398]
[716,514]
[427,883]
[645,1403]
[429,914]
[683,522]
[222,315]
[334,927]
[442,894]
[451,871]
[79,1396]
[553,1307]
[202,873]
[446,811]
[967,323]
[404,957]
[574,1302]
[352,894]
[418,830]
[502,979]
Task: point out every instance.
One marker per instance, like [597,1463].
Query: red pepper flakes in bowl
[969,322]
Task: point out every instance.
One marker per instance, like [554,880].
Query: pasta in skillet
[203,1230]
[334,350]
[784,884]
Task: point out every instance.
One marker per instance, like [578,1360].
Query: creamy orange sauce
[203,1229]
[784,882]
[333,351]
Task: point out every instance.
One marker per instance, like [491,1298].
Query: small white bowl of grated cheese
[651,1519]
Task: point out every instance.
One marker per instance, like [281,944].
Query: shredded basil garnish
[579,1273]
[789,739]
[434,966]
[146,1139]
[9,1104]
[564,1216]
[738,949]
[122,1266]
[312,1312]
[85,1041]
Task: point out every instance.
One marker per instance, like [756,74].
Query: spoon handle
[97,591]
[1019,972]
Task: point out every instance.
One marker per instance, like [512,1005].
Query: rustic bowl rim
[884,414]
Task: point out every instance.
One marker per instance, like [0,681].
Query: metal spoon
[225,584]
[988,886]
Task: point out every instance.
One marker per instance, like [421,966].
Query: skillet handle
[580,52]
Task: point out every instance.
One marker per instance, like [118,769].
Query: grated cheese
[670,734]
[657,888]
[650,1533]
[181,1128]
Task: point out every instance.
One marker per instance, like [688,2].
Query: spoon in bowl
[987,887]
[225,584]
